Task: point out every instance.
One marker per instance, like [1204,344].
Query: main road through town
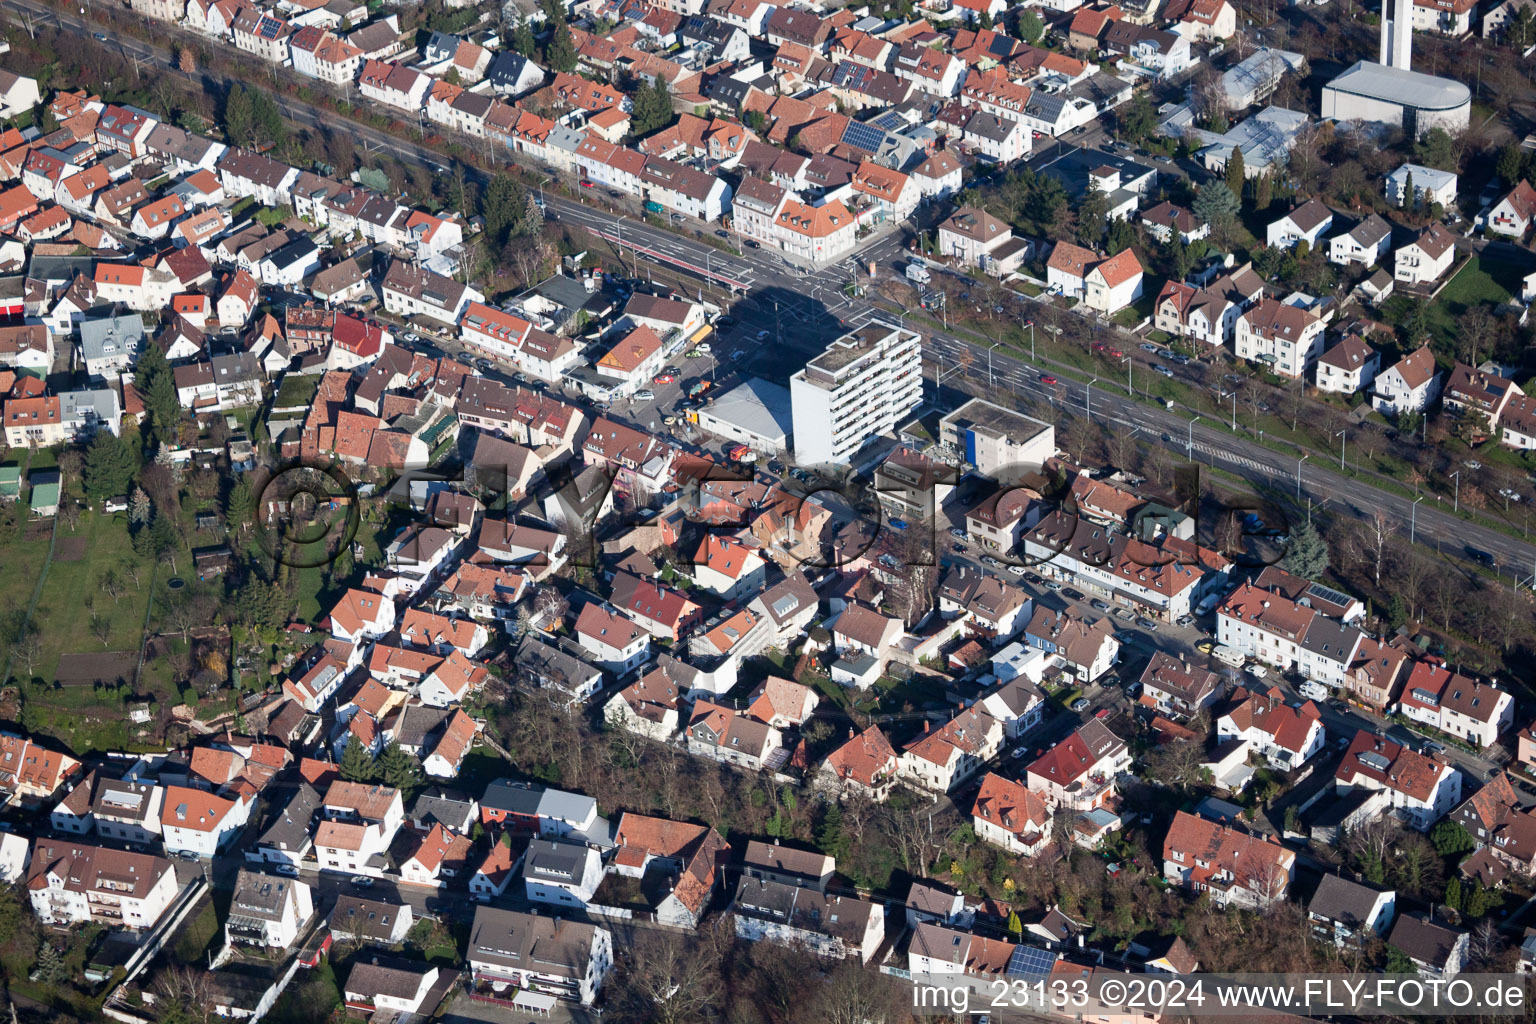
[822,293]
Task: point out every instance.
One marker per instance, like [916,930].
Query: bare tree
[101,628]
[672,978]
[1378,531]
[853,995]
[1484,945]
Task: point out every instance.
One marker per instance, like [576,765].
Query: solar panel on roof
[1371,759]
[889,120]
[1328,594]
[864,136]
[1000,46]
[1031,960]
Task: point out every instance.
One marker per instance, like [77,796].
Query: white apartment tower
[1397,34]
[865,383]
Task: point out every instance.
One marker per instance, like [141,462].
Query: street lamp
[1088,398]
[1456,498]
[1299,461]
[1232,395]
[1343,440]
[1031,325]
[1413,517]
[542,182]
[990,378]
[1189,445]
[1130,388]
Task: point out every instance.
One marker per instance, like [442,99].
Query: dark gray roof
[555,861]
[260,897]
[365,918]
[441,805]
[1425,941]
[289,829]
[1339,899]
[512,797]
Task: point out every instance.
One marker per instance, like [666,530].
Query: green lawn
[73,596]
[1480,280]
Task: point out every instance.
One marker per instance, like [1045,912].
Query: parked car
[1101,605]
[1052,585]
[762,335]
[957,533]
[362,881]
[1081,704]
[645,396]
[1017,570]
[1145,623]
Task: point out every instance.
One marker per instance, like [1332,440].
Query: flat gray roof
[1408,88]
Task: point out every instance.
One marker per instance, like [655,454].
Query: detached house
[509,950]
[1235,868]
[1177,687]
[615,642]
[1008,814]
[1426,258]
[976,238]
[1411,385]
[1284,735]
[1307,222]
[1080,772]
[1348,367]
[1366,243]
[1107,285]
[1513,214]
[865,764]
[942,759]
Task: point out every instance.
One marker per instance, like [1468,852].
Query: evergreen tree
[1015,926]
[109,467]
[984,22]
[156,384]
[1450,838]
[1479,901]
[239,117]
[397,768]
[357,765]
[561,53]
[1453,893]
[50,965]
[239,507]
[1410,194]
[1236,171]
[504,204]
[1181,256]
[830,837]
[1216,205]
[1263,192]
[1030,28]
[1307,554]
[522,38]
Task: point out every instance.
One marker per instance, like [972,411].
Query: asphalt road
[815,296]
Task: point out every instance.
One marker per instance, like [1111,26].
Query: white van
[918,273]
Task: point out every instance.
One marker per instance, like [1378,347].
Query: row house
[360,821]
[125,130]
[1458,706]
[394,85]
[1087,650]
[262,34]
[1479,394]
[244,173]
[836,927]
[1272,628]
[1162,580]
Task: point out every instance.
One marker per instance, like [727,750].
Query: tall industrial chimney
[1397,34]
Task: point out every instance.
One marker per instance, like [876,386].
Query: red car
[1098,346]
[1046,378]
[663,378]
[1115,353]
[1101,713]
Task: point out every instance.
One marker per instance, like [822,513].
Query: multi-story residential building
[944,758]
[1235,868]
[1468,709]
[1079,773]
[1272,628]
[1285,736]
[1429,185]
[1426,258]
[1410,385]
[267,910]
[1009,815]
[1286,339]
[412,290]
[1417,788]
[836,927]
[74,883]
[614,641]
[360,822]
[512,950]
[734,737]
[562,873]
[1208,312]
[864,384]
[264,35]
[198,822]
[1348,367]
